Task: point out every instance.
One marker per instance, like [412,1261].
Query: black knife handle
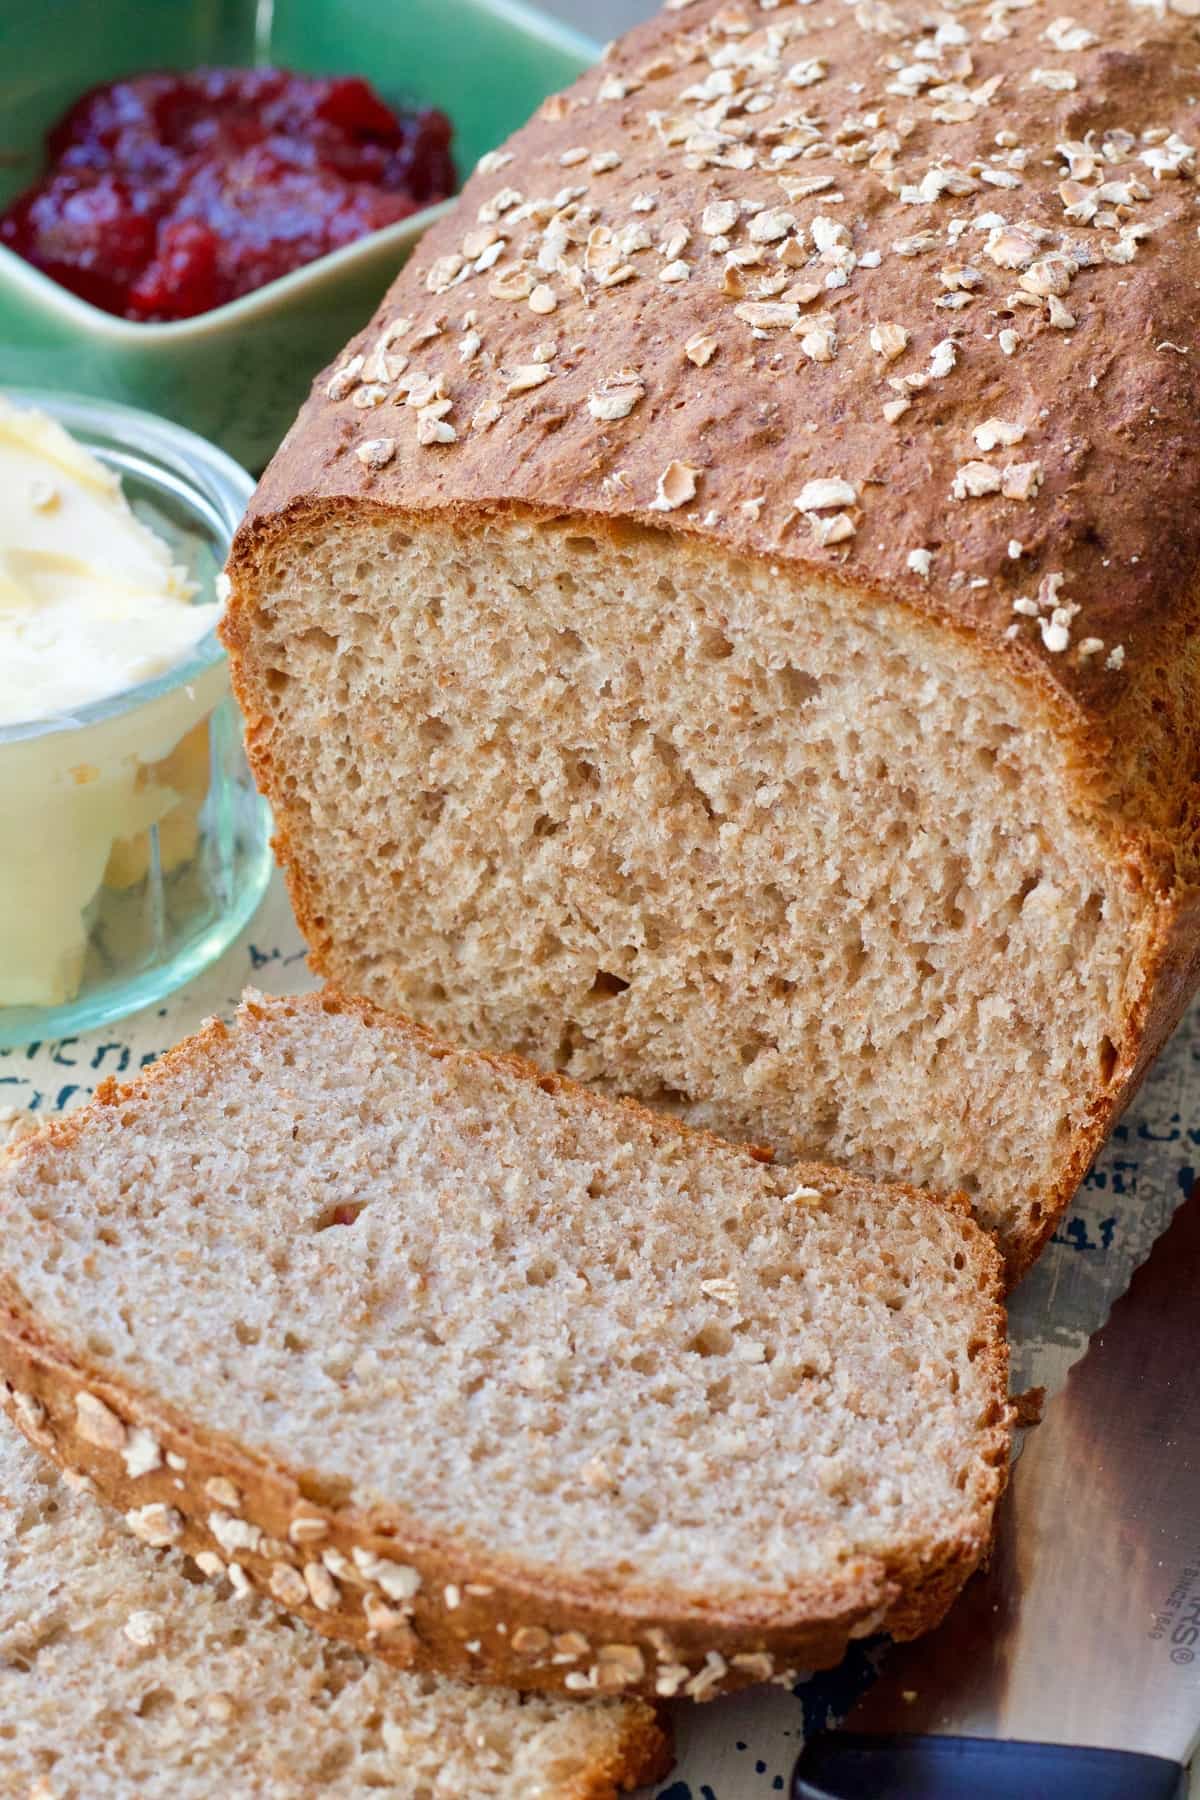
[847,1765]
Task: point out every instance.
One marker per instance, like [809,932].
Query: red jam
[170,194]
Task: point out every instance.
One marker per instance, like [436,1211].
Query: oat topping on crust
[676,486]
[322,1588]
[157,1525]
[234,1534]
[288,1585]
[375,453]
[904,226]
[816,496]
[142,1453]
[399,1581]
[307,1528]
[96,1423]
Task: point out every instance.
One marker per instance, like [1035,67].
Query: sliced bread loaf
[728,627]
[126,1676]
[498,1377]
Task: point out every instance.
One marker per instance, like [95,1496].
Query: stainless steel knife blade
[1085,1628]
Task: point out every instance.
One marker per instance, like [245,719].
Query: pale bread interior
[805,866]
[125,1675]
[549,1328]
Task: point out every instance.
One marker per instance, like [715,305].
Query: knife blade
[1071,1665]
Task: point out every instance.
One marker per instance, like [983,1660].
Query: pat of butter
[91,605]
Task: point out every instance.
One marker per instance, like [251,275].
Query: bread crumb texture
[757,670]
[125,1675]
[819,879]
[509,1378]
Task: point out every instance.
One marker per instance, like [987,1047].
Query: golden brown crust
[1172,976]
[643,1754]
[910,135]
[632,1640]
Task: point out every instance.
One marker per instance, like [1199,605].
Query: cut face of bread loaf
[760,675]
[126,1676]
[492,1375]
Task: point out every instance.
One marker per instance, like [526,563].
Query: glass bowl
[133,845]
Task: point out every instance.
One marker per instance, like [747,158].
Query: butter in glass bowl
[132,844]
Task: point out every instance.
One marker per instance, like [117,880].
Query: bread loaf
[490,1375]
[726,628]
[126,1676]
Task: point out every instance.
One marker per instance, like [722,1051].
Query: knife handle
[848,1765]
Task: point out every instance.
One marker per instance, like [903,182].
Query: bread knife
[1070,1668]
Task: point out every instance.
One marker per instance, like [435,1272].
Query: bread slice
[124,1675]
[494,1376]
[729,626]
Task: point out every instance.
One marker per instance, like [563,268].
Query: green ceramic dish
[237,374]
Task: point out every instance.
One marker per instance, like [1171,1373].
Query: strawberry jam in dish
[167,195]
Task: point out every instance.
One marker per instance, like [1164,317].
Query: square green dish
[237,374]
